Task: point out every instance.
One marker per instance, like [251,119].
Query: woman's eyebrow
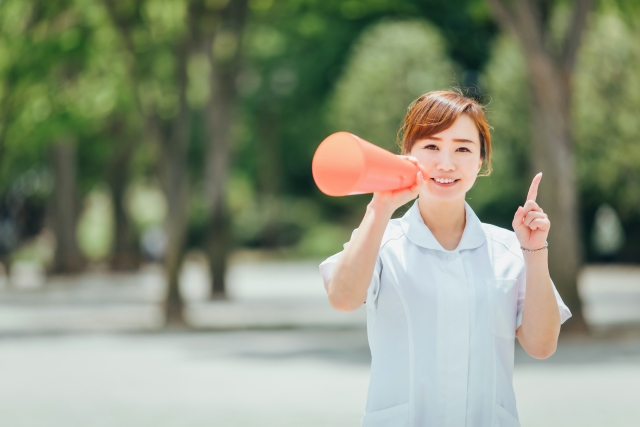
[435,138]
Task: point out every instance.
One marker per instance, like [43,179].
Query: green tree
[507,109]
[550,49]
[222,47]
[607,98]
[392,63]
[604,99]
[184,60]
[157,39]
[41,118]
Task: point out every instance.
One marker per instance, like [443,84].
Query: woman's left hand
[530,223]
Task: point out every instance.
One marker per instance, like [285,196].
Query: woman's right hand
[392,200]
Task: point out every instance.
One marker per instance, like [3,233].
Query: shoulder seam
[490,235]
[507,248]
[390,239]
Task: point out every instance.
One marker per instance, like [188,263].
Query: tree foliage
[391,64]
[605,100]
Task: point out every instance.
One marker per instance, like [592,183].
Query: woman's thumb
[517,218]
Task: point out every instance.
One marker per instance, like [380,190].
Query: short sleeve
[326,270]
[564,310]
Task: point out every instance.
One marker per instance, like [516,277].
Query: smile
[443,182]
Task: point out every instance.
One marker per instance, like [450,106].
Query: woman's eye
[464,148]
[429,147]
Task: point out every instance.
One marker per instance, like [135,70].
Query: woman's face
[453,154]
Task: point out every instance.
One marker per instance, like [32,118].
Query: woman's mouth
[445,182]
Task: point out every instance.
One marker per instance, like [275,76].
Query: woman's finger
[518,217]
[533,189]
[412,159]
[533,215]
[530,205]
[542,224]
[415,188]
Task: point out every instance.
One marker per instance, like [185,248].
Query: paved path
[262,294]
[303,377]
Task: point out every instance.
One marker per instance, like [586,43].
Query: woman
[445,293]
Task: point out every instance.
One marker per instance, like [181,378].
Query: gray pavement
[269,378]
[261,295]
[274,354]
[300,377]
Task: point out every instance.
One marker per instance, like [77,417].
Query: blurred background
[160,230]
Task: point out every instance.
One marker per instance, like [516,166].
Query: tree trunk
[219,241]
[172,136]
[126,254]
[550,75]
[269,150]
[220,115]
[175,182]
[64,208]
[176,191]
[553,155]
[269,165]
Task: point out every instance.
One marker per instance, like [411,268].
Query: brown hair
[436,111]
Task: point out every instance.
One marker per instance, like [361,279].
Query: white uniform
[441,326]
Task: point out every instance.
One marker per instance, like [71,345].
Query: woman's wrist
[542,248]
[380,209]
[538,258]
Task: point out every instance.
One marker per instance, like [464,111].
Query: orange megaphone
[345,164]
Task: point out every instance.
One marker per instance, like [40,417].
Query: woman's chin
[445,194]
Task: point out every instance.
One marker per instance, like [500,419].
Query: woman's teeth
[444,180]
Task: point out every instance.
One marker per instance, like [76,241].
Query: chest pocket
[396,416]
[503,306]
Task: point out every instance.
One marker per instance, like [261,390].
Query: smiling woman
[446,294]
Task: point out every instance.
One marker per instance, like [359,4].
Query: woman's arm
[352,273]
[538,333]
[347,288]
[540,327]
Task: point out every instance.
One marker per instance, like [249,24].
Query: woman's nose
[445,163]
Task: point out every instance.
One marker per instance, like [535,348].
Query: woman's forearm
[538,333]
[347,289]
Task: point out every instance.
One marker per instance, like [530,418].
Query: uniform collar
[417,232]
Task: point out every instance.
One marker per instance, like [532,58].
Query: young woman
[445,293]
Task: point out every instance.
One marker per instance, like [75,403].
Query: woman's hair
[436,111]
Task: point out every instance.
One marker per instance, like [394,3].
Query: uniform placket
[453,341]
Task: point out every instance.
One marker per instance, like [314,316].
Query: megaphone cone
[345,164]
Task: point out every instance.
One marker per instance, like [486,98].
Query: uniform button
[451,257]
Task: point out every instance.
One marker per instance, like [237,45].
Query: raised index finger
[533,190]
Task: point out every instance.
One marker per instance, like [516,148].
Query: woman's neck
[446,220]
